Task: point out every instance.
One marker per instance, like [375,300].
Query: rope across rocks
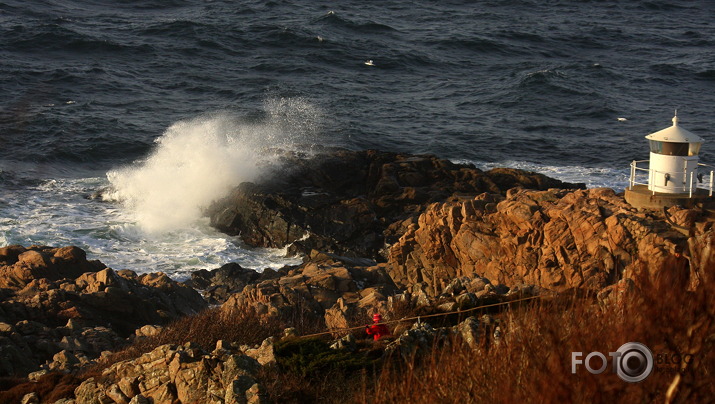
[422,317]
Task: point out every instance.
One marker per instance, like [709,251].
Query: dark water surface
[90,86]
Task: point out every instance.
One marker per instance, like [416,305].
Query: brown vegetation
[49,388]
[532,362]
[204,329]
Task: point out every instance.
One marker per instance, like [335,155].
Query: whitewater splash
[198,161]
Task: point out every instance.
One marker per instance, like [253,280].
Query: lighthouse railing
[711,182]
[636,171]
[694,180]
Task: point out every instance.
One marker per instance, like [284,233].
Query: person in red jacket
[377,330]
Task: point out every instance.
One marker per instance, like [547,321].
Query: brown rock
[9,254]
[170,373]
[555,239]
[347,201]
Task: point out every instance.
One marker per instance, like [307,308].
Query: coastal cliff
[399,234]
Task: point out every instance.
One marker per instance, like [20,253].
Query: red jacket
[377,331]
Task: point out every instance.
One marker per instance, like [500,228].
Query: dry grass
[532,362]
[49,388]
[242,326]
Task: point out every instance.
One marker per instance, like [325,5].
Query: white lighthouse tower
[673,159]
[672,172]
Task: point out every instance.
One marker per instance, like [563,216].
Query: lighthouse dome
[675,134]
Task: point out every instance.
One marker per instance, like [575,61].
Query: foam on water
[198,161]
[57,213]
[594,177]
[151,217]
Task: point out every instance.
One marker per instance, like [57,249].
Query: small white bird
[622,119]
[369,62]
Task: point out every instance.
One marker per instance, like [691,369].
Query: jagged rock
[290,332]
[90,392]
[338,316]
[265,353]
[420,337]
[346,201]
[256,395]
[469,330]
[170,373]
[139,399]
[30,398]
[324,286]
[466,301]
[347,343]
[53,299]
[64,361]
[220,283]
[556,239]
[36,375]
[149,330]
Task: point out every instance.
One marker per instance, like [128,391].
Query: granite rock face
[59,308]
[352,202]
[171,373]
[556,239]
[323,282]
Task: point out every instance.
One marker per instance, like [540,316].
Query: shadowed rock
[53,300]
[352,202]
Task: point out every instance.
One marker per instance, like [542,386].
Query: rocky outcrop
[59,308]
[421,337]
[341,291]
[556,239]
[172,373]
[323,282]
[219,284]
[352,202]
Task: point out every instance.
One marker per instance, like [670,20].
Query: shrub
[312,356]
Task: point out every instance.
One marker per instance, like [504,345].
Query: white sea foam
[198,161]
[151,220]
[594,177]
[57,213]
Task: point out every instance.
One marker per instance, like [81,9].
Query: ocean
[171,103]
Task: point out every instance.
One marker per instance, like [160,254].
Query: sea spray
[199,160]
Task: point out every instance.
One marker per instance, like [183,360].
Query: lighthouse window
[694,149]
[656,146]
[669,149]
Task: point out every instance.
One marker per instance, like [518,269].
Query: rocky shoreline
[379,232]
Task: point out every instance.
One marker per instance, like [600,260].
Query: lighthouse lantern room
[673,171]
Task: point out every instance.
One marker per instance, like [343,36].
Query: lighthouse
[674,173]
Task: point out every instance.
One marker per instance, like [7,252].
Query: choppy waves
[162,93]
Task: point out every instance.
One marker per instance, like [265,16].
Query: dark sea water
[171,102]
